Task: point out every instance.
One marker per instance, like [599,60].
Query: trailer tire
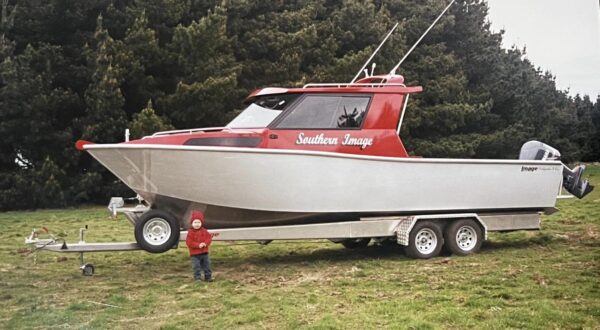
[463,237]
[87,270]
[425,240]
[356,243]
[156,231]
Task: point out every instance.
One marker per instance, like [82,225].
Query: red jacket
[195,237]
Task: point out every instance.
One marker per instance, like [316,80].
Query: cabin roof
[384,84]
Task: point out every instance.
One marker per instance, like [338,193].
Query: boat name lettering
[528,168]
[321,139]
[317,139]
[352,141]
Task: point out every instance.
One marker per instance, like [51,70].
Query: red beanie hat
[197,215]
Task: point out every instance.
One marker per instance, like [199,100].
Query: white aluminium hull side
[321,182]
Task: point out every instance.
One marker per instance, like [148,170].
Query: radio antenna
[393,72]
[375,52]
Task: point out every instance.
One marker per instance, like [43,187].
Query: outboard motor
[572,178]
[536,150]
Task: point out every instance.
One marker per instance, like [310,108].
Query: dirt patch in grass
[589,233]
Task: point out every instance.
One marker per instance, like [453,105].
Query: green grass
[546,279]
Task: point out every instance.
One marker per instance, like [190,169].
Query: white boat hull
[296,183]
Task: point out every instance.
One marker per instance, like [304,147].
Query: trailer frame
[396,228]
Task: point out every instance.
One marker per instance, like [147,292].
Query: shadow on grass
[328,254]
[334,253]
[518,243]
[504,245]
[286,254]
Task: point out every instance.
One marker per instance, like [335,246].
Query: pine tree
[207,91]
[144,64]
[147,122]
[7,22]
[47,189]
[584,127]
[105,120]
[595,138]
[34,117]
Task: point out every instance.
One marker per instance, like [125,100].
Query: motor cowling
[572,178]
[536,150]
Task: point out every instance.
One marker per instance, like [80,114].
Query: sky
[561,36]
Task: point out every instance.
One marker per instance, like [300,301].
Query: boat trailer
[390,228]
[55,244]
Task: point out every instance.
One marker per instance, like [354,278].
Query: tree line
[89,69]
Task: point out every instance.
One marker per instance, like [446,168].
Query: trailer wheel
[87,270]
[463,237]
[355,243]
[425,240]
[156,231]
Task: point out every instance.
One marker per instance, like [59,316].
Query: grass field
[546,279]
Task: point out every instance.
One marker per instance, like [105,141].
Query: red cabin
[359,118]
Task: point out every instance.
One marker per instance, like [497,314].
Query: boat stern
[573,180]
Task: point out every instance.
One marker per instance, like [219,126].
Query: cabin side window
[327,112]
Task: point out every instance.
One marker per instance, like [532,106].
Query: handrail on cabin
[340,85]
[190,130]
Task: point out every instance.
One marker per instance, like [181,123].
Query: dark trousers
[201,263]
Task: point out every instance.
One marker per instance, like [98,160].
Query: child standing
[198,240]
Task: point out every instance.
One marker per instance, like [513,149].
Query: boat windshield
[262,111]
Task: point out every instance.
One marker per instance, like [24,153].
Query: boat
[319,153]
[323,153]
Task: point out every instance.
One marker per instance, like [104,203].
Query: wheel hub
[157,231]
[426,241]
[466,238]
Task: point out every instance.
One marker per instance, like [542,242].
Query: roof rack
[340,85]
